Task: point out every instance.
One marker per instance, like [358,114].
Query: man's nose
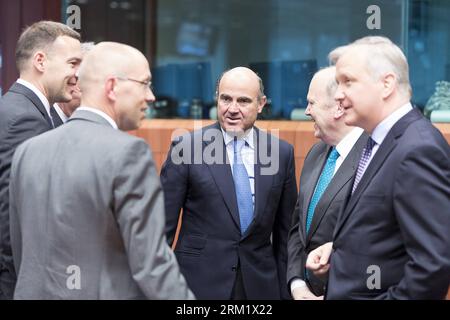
[339,95]
[234,107]
[150,97]
[308,110]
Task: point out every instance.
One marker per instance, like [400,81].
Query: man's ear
[110,87]
[39,59]
[338,112]
[389,83]
[261,103]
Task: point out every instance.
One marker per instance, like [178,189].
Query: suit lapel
[21,89]
[342,176]
[223,176]
[386,147]
[310,186]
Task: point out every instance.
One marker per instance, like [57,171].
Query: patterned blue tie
[324,180]
[242,186]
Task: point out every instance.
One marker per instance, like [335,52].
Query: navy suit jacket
[22,116]
[392,238]
[210,244]
[326,213]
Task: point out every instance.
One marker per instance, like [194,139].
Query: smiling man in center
[236,215]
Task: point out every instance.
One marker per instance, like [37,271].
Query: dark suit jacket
[210,244]
[22,116]
[326,212]
[397,221]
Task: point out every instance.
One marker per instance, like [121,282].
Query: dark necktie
[55,118]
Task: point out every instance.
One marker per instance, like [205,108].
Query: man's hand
[303,293]
[318,259]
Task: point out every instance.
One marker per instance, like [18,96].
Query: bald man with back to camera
[96,228]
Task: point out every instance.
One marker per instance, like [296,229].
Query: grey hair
[87,46]
[385,56]
[331,86]
[331,83]
[336,53]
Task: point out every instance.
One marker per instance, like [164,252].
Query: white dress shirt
[346,145]
[100,113]
[382,129]
[247,154]
[60,113]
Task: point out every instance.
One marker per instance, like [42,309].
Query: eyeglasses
[147,83]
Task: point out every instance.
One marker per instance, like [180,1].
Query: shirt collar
[381,130]
[346,144]
[60,113]
[100,113]
[37,92]
[247,137]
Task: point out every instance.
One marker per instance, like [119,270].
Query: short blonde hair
[385,56]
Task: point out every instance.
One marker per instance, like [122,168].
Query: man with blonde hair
[334,55]
[391,240]
[96,228]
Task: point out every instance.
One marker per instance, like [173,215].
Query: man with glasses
[91,224]
[236,186]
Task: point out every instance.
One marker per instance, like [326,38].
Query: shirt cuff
[297,283]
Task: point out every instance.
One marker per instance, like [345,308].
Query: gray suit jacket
[87,217]
[326,212]
[22,116]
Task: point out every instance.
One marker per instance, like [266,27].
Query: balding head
[108,59]
[240,98]
[322,108]
[243,72]
[115,78]
[326,78]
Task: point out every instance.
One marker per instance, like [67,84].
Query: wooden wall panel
[300,134]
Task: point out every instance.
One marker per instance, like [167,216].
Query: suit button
[233,268]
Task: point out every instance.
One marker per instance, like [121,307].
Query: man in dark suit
[236,186]
[392,238]
[324,182]
[47,57]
